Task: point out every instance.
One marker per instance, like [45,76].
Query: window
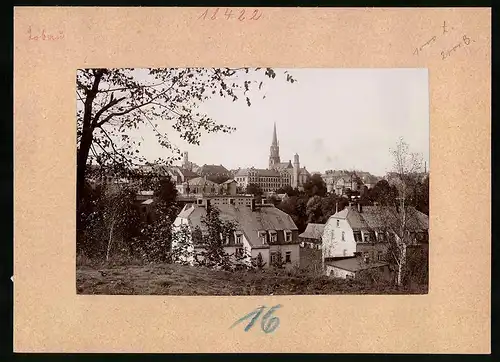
[343,236]
[380,256]
[345,252]
[239,252]
[262,236]
[366,236]
[288,236]
[239,239]
[338,223]
[288,257]
[357,236]
[231,201]
[273,236]
[381,237]
[274,256]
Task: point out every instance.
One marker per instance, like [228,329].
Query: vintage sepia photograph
[252,181]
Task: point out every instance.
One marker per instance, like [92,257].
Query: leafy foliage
[258,262]
[254,189]
[315,186]
[288,190]
[313,209]
[278,261]
[113,102]
[110,218]
[217,231]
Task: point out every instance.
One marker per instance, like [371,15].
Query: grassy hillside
[171,279]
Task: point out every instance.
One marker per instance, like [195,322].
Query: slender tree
[400,219]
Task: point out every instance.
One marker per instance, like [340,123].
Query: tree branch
[138,106]
[111,103]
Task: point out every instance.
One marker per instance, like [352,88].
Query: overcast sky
[333,118]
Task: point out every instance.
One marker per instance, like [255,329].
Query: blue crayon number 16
[267,323]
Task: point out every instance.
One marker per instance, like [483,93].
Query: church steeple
[274,154]
[275,138]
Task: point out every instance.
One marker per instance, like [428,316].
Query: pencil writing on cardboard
[230,14]
[466,40]
[44,35]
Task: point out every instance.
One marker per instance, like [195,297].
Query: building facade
[277,175]
[363,232]
[261,229]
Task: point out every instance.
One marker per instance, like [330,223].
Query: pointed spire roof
[275,138]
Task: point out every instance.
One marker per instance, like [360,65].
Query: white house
[361,233]
[261,228]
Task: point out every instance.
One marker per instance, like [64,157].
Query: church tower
[274,154]
[185,161]
[296,171]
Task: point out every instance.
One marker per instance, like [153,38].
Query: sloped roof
[313,231]
[376,217]
[248,221]
[213,170]
[200,181]
[229,181]
[283,165]
[186,173]
[354,264]
[259,172]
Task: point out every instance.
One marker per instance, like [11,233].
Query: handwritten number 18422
[268,324]
[229,14]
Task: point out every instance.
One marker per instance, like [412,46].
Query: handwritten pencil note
[268,323]
[460,41]
[44,35]
[230,14]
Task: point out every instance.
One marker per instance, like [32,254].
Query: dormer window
[367,237]
[338,223]
[381,237]
[239,238]
[288,236]
[357,236]
[263,236]
[274,236]
[343,236]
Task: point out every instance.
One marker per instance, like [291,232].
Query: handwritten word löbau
[43,35]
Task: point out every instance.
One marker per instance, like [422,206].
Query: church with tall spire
[277,175]
[274,154]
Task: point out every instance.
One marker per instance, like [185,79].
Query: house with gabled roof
[311,237]
[260,228]
[364,232]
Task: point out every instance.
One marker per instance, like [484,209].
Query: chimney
[336,207]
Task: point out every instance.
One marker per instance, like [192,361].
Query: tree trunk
[110,240]
[399,280]
[85,142]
